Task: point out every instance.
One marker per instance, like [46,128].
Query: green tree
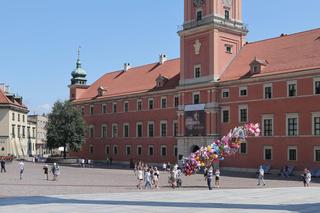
[65,127]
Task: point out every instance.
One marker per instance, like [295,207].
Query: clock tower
[210,37]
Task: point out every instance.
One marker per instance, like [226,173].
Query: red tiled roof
[135,80]
[5,100]
[288,53]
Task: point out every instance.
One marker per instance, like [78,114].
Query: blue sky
[39,38]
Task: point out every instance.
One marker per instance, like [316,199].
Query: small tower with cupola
[78,80]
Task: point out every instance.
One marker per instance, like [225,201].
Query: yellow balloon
[202,164]
[209,148]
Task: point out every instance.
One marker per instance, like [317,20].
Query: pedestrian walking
[46,171]
[21,168]
[217,178]
[208,177]
[55,171]
[261,176]
[3,165]
[164,167]
[156,175]
[140,177]
[147,179]
[306,177]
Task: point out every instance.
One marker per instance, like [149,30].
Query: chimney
[126,66]
[163,58]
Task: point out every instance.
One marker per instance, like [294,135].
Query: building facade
[163,111]
[40,145]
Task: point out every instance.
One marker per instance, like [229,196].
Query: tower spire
[78,60]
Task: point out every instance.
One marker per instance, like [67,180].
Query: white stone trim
[264,152]
[196,93]
[240,107]
[225,90]
[163,98]
[314,115]
[243,88]
[163,122]
[267,117]
[314,153]
[264,90]
[225,108]
[289,83]
[292,148]
[314,85]
[123,130]
[292,115]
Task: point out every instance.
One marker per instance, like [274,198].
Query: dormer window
[228,48]
[199,14]
[101,91]
[161,81]
[257,65]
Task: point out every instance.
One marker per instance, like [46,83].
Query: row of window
[292,121]
[139,130]
[292,152]
[139,150]
[139,105]
[267,90]
[18,115]
[21,129]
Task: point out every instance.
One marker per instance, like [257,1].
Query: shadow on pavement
[38,200]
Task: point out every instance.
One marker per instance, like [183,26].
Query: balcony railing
[217,21]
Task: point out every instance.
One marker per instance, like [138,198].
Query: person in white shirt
[261,176]
[140,177]
[21,168]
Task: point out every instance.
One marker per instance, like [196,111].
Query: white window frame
[292,115]
[288,155]
[104,106]
[226,46]
[89,134]
[244,106]
[106,126]
[113,150]
[128,146]
[123,130]
[112,132]
[225,108]
[314,115]
[150,99]
[196,93]
[267,117]
[289,83]
[243,88]
[264,90]
[264,152]
[225,90]
[173,129]
[163,122]
[148,133]
[199,10]
[195,67]
[315,148]
[139,101]
[114,104]
[163,98]
[149,150]
[124,106]
[163,146]
[91,110]
[314,85]
[137,124]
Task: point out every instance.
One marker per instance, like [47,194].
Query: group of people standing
[147,176]
[208,174]
[55,169]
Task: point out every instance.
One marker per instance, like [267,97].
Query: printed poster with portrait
[195,123]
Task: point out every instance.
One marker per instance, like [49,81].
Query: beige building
[13,124]
[40,122]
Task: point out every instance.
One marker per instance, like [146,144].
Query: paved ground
[113,190]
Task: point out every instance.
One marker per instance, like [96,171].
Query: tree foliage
[65,127]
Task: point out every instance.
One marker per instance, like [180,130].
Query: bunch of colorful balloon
[219,149]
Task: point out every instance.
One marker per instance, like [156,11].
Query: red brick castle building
[161,112]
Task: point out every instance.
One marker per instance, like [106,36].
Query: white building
[40,122]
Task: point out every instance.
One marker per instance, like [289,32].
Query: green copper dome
[79,72]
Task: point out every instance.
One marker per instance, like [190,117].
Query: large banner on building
[195,120]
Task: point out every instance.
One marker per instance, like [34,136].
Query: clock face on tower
[198,3]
